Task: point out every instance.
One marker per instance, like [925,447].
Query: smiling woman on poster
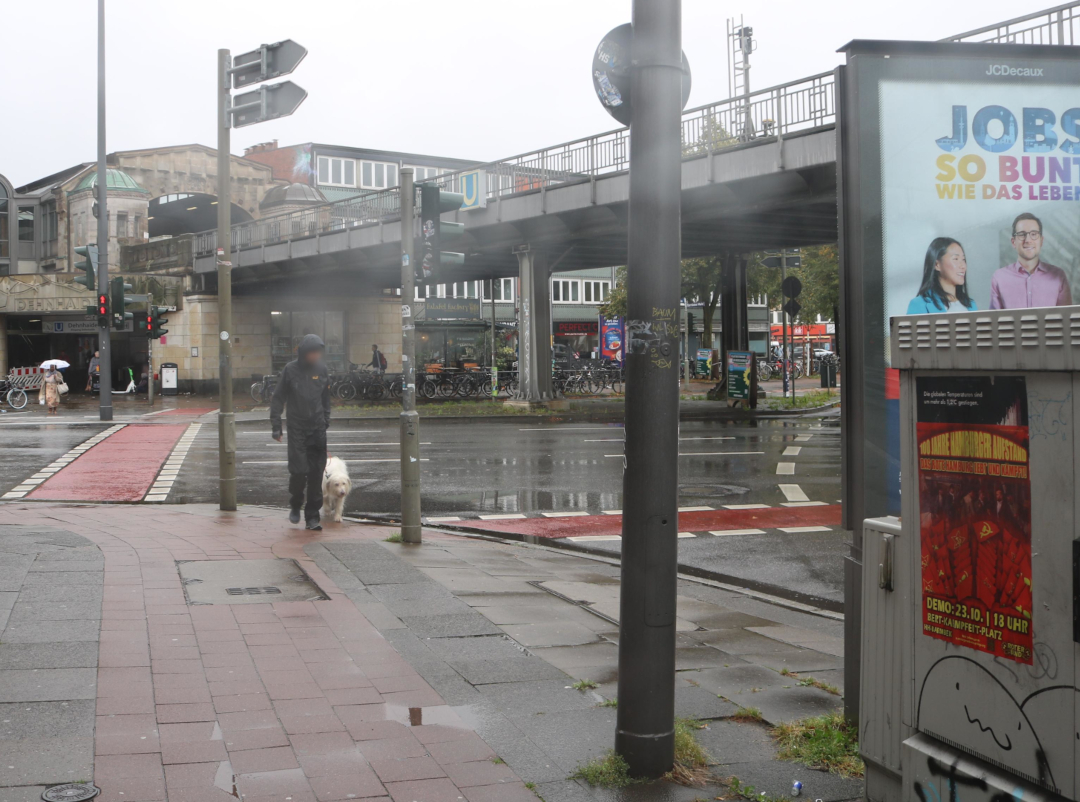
[944,281]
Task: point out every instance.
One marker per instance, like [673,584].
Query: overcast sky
[475,79]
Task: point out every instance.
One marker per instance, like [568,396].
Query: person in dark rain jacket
[304,391]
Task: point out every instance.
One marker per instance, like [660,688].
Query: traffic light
[100,309]
[433,202]
[117,288]
[156,321]
[88,265]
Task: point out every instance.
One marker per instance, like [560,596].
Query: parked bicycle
[262,390]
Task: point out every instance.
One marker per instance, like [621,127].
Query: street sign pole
[105,408]
[644,734]
[784,330]
[226,417]
[410,418]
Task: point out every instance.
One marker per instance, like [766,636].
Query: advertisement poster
[981,194]
[975,513]
[740,369]
[611,338]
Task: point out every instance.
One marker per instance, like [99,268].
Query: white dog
[336,486]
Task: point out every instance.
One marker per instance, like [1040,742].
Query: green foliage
[691,760]
[813,682]
[584,685]
[615,305]
[608,771]
[738,789]
[610,703]
[713,137]
[827,742]
[395,537]
[819,274]
[746,714]
[809,400]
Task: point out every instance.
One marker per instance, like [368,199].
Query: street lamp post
[105,409]
[645,735]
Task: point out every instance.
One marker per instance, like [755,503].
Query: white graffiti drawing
[1049,417]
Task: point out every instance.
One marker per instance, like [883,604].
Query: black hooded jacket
[305,390]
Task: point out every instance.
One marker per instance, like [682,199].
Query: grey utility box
[988,655]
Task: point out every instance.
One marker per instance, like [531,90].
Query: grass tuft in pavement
[737,790]
[607,771]
[394,537]
[814,682]
[584,685]
[691,760]
[746,714]
[824,742]
[609,703]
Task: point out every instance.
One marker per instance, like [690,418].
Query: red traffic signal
[149,323]
[103,304]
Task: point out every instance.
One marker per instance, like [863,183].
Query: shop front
[581,337]
[451,333]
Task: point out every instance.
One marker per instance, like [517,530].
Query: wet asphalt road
[481,467]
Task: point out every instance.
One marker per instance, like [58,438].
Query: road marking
[607,440]
[792,451]
[589,538]
[785,468]
[575,429]
[347,461]
[793,492]
[706,454]
[745,506]
[734,532]
[695,509]
[445,520]
[562,514]
[350,431]
[794,530]
[505,517]
[804,504]
[686,534]
[802,438]
[705,438]
[358,443]
[612,512]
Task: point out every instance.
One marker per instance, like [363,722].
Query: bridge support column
[534,328]
[734,323]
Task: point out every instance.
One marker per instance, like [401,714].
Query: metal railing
[778,111]
[774,112]
[1059,25]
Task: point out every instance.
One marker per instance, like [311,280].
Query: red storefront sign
[815,331]
[572,328]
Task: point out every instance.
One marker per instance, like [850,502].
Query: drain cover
[246,582]
[70,792]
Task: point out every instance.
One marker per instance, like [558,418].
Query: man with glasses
[1029,281]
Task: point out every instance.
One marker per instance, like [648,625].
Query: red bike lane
[122,467]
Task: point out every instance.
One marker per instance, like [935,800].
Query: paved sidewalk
[406,674]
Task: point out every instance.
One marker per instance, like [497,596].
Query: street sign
[792,307]
[611,73]
[773,261]
[740,375]
[266,103]
[269,61]
[791,286]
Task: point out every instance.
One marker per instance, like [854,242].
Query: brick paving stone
[242,702]
[263,760]
[194,752]
[262,738]
[392,748]
[171,714]
[440,790]
[410,768]
[461,750]
[507,792]
[480,772]
[125,789]
[362,784]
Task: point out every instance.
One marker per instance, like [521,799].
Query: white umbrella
[59,364]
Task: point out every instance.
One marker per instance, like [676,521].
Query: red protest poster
[975,513]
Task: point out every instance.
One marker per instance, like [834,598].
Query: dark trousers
[307,461]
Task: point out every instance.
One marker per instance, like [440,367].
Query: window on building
[564,291]
[287,329]
[49,230]
[4,236]
[465,289]
[121,224]
[503,287]
[425,173]
[596,292]
[337,172]
[136,226]
[378,175]
[26,224]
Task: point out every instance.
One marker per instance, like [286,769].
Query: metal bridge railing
[1059,25]
[776,111]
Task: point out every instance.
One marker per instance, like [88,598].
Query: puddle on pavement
[421,716]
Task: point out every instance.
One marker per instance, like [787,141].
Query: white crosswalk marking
[734,532]
[785,468]
[792,451]
[793,493]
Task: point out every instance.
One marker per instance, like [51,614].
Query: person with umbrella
[51,385]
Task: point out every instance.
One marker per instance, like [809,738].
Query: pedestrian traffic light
[156,320]
[100,309]
[117,288]
[88,265]
[433,202]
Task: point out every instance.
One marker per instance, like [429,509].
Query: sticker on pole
[224,336]
[975,513]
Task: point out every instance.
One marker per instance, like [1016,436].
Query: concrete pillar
[3,346]
[534,327]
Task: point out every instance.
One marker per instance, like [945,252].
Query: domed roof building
[290,198]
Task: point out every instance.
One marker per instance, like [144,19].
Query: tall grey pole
[645,735]
[226,418]
[410,418]
[150,367]
[784,368]
[686,343]
[105,408]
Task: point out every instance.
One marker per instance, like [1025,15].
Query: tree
[713,137]
[615,305]
[701,282]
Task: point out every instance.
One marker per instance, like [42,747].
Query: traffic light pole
[784,366]
[410,418]
[105,408]
[645,735]
[226,417]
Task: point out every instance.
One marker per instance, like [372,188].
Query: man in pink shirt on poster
[1028,282]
